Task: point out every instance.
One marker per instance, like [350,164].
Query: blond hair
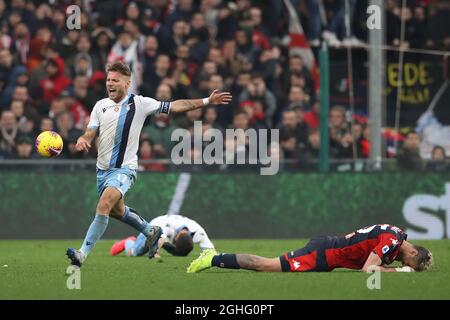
[424,259]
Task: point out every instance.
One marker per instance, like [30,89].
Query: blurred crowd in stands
[51,76]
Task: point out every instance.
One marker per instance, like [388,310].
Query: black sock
[224,260]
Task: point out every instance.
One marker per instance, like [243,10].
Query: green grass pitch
[36,270]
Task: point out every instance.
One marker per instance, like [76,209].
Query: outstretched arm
[160,244]
[216,97]
[374,261]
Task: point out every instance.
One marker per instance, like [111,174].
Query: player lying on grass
[118,120]
[179,234]
[378,245]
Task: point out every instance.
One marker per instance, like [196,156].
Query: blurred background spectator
[51,77]
[438,160]
[409,157]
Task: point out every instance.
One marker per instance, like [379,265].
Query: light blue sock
[131,218]
[129,248]
[139,247]
[94,233]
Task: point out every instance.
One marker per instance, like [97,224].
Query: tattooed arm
[257,263]
[178,106]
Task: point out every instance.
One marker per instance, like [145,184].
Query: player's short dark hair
[424,259]
[183,244]
[119,67]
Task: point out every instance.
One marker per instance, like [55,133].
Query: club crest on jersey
[116,108]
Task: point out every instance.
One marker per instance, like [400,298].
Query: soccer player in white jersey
[179,234]
[118,120]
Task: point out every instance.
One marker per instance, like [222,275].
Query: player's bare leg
[234,261]
[257,263]
[107,201]
[118,210]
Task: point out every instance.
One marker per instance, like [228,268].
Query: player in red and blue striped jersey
[378,245]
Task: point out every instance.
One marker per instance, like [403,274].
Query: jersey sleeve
[164,237]
[163,224]
[387,248]
[152,106]
[168,232]
[202,239]
[94,122]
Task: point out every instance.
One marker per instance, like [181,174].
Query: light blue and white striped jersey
[119,126]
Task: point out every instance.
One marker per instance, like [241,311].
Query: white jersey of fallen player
[119,126]
[172,224]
